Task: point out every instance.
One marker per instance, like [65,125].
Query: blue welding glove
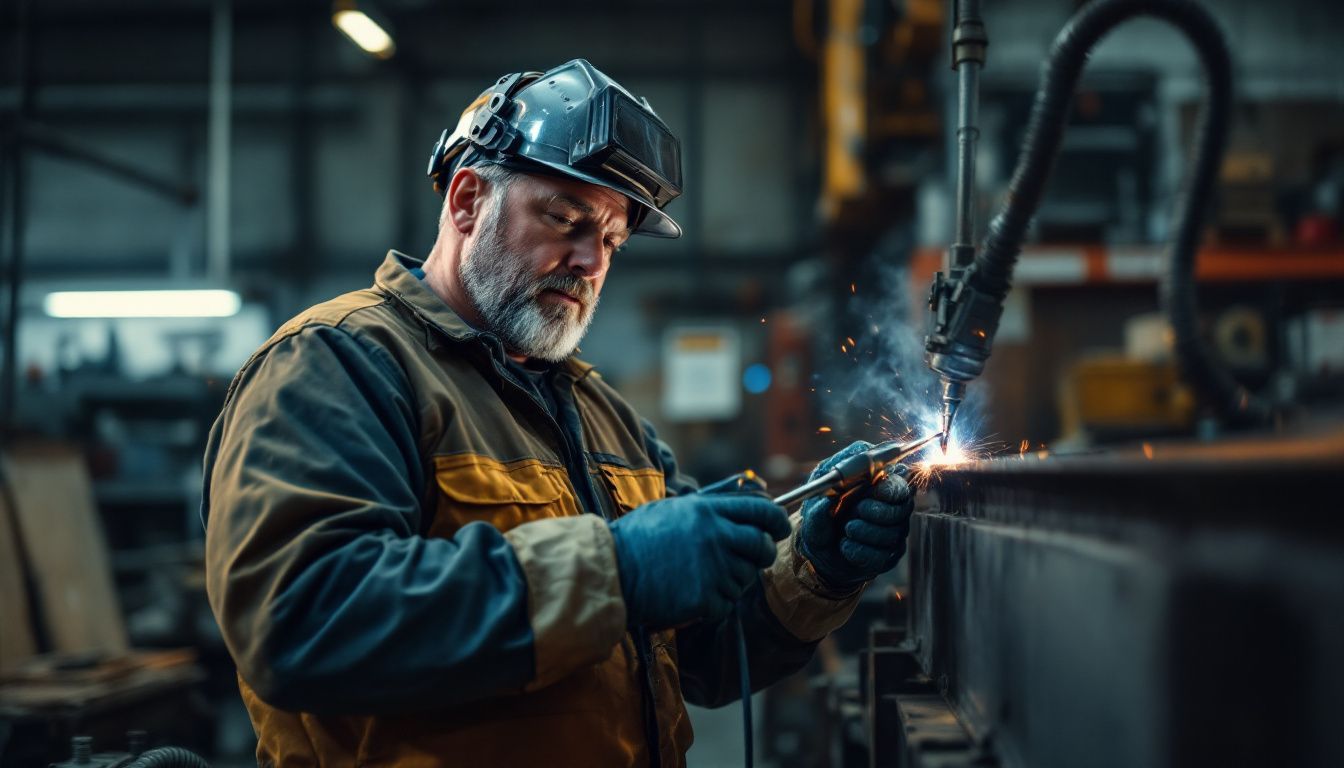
[691,557]
[867,537]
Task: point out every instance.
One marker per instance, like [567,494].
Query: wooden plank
[64,668]
[16,623]
[144,675]
[67,553]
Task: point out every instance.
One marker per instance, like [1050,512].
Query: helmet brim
[652,222]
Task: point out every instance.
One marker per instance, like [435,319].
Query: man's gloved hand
[867,538]
[690,557]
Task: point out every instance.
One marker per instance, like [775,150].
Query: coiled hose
[1211,381]
[168,757]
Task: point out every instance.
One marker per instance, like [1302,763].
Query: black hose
[169,757]
[744,679]
[994,266]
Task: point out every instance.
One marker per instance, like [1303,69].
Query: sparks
[851,341]
[824,429]
[1148,451]
[937,460]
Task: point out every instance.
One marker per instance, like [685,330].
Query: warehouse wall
[328,149]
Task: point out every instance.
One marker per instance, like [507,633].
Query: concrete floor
[718,736]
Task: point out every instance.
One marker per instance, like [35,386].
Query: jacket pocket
[504,494]
[631,487]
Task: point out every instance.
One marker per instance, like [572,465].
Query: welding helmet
[574,121]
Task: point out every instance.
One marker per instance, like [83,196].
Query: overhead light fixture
[365,28]
[194,303]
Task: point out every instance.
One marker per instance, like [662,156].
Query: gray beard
[507,298]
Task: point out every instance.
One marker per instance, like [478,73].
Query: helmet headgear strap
[489,132]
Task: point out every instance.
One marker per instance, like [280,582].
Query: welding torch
[855,471]
[965,318]
[844,477]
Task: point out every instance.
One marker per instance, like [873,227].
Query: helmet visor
[629,142]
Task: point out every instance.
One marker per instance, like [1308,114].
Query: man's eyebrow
[572,202]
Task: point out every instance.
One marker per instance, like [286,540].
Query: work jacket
[408,555]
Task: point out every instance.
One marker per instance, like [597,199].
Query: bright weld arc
[936,461]
[961,450]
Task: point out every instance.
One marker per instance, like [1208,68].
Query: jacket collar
[394,278]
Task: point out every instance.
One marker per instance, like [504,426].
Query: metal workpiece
[909,723]
[1167,605]
[1291,484]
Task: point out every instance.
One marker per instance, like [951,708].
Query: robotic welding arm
[964,319]
[967,301]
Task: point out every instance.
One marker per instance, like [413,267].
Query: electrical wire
[744,678]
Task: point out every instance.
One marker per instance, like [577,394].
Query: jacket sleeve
[328,597]
[707,651]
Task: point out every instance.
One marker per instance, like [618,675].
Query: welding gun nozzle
[953,392]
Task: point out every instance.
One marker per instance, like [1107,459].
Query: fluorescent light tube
[364,32]
[200,303]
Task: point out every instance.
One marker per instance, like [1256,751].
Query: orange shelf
[1059,265]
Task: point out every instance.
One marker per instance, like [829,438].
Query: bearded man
[434,537]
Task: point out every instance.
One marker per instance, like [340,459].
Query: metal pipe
[968,133]
[810,489]
[44,138]
[969,43]
[13,197]
[11,147]
[221,109]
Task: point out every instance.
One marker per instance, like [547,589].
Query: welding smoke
[884,373]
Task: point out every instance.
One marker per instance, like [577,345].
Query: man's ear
[466,200]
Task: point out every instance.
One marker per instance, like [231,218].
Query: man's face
[536,268]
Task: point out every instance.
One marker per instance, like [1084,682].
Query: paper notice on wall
[1316,342]
[702,372]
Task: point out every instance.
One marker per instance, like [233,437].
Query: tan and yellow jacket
[407,552]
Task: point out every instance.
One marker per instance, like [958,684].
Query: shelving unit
[1058,265]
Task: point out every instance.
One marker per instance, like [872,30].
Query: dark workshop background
[250,146]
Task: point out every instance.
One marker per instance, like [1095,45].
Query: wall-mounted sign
[702,373]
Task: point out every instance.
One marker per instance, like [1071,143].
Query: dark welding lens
[646,139]
[627,141]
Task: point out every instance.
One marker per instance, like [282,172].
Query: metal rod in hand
[839,479]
